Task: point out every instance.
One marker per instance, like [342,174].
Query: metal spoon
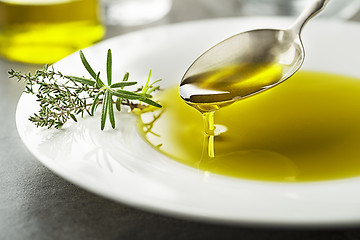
[254,51]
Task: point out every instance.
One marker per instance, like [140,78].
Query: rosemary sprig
[62,97]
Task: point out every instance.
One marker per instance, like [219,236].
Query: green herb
[62,97]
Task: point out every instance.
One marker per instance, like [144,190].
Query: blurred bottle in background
[134,12]
[272,7]
[341,9]
[44,31]
[336,9]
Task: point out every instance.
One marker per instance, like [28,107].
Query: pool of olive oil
[306,129]
[44,31]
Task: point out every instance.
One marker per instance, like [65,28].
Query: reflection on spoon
[245,64]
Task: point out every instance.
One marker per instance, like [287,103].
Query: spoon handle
[313,8]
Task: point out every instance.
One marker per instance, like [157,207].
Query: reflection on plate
[120,165]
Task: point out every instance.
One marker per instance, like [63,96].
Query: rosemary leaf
[152,89]
[126,77]
[145,88]
[82,80]
[153,83]
[122,84]
[95,103]
[111,109]
[118,104]
[104,109]
[87,65]
[99,83]
[134,96]
[109,67]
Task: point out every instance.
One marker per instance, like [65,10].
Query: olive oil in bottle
[44,31]
[306,129]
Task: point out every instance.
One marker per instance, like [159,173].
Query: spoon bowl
[246,64]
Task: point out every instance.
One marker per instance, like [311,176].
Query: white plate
[119,165]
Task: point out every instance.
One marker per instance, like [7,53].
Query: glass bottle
[44,31]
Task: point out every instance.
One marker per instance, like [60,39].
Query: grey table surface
[37,204]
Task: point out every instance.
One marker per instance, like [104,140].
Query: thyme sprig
[62,97]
